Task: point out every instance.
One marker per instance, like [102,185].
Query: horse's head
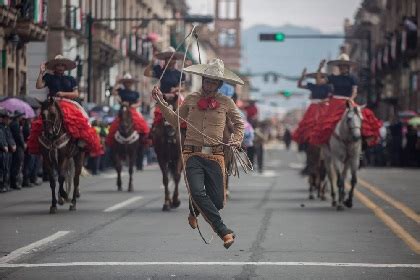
[126,121]
[354,120]
[51,118]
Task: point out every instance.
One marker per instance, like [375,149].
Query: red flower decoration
[208,103]
[202,103]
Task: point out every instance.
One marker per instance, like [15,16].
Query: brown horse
[316,171]
[125,145]
[166,142]
[59,152]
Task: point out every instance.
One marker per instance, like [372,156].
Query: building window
[227,38]
[227,9]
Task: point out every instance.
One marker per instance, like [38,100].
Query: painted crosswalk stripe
[325,264]
[33,247]
[123,204]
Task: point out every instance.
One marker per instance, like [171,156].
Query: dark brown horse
[316,171]
[166,142]
[125,145]
[59,152]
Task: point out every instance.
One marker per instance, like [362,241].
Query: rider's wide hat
[127,78]
[59,59]
[168,53]
[343,59]
[215,69]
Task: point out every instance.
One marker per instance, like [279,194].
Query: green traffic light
[279,37]
[287,93]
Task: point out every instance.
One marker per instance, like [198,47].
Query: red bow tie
[207,103]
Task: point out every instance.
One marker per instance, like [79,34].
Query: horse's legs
[311,181]
[322,181]
[78,164]
[62,169]
[332,177]
[341,185]
[53,208]
[177,177]
[165,180]
[118,168]
[131,161]
[354,166]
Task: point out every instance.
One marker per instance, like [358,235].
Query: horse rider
[19,154]
[170,78]
[64,89]
[344,90]
[319,94]
[206,112]
[125,93]
[8,146]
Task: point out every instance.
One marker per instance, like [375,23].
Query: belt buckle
[207,150]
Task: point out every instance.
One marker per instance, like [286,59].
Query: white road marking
[113,175]
[327,264]
[33,247]
[266,173]
[296,165]
[123,204]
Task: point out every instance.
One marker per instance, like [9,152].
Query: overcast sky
[326,15]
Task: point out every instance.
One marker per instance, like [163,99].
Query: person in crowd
[287,138]
[19,154]
[206,112]
[4,151]
[259,139]
[31,163]
[248,142]
[11,147]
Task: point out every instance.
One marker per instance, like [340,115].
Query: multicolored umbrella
[414,121]
[13,104]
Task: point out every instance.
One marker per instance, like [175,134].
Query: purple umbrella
[13,104]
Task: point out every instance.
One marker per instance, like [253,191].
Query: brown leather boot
[192,221]
[228,240]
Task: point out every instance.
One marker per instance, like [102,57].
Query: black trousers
[16,165]
[5,162]
[205,178]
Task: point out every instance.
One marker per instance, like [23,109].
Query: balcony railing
[75,20]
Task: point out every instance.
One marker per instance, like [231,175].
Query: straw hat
[59,59]
[168,53]
[215,70]
[343,59]
[127,78]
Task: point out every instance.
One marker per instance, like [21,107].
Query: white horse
[343,152]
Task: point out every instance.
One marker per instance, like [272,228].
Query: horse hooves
[323,198]
[166,208]
[176,203]
[130,188]
[53,209]
[72,208]
[348,203]
[78,194]
[311,196]
[120,189]
[60,201]
[334,203]
[340,207]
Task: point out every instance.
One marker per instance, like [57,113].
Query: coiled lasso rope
[237,154]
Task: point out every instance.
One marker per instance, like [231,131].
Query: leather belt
[208,150]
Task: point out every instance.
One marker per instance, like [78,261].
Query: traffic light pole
[90,21]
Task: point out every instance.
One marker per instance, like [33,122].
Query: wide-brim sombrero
[168,53]
[128,79]
[215,70]
[343,59]
[314,75]
[60,60]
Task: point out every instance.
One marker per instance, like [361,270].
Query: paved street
[280,233]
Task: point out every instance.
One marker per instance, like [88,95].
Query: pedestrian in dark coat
[19,153]
[11,147]
[4,149]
